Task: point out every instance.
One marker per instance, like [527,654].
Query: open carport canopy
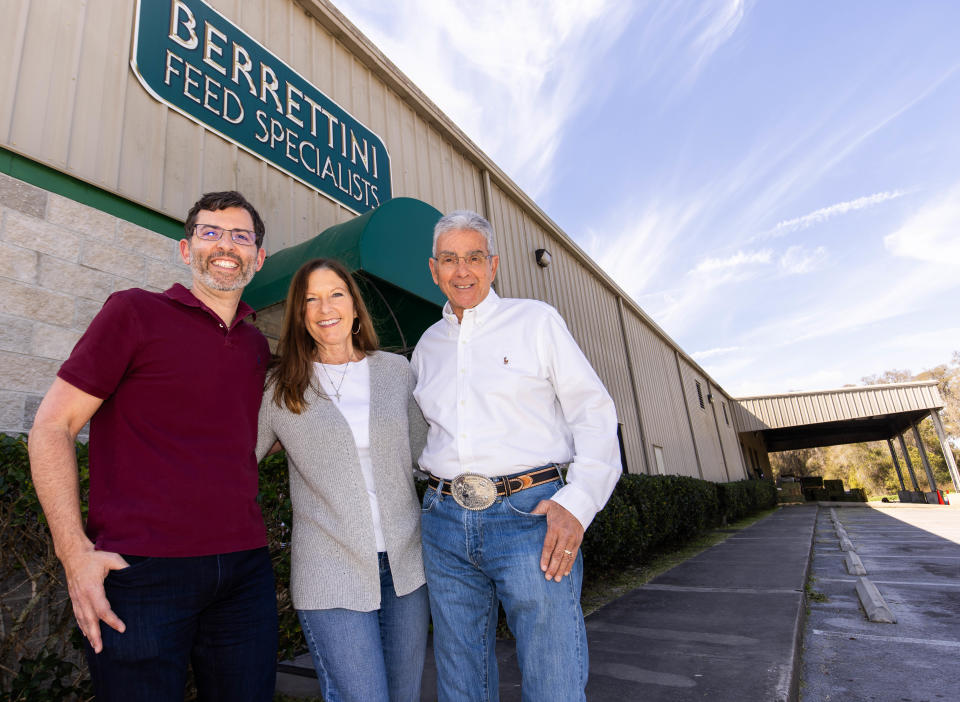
[386,249]
[845,416]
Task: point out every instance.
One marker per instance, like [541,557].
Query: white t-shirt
[352,382]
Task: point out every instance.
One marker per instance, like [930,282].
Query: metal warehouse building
[115,115]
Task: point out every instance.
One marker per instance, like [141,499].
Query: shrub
[274,499]
[615,538]
[40,653]
[744,497]
[647,513]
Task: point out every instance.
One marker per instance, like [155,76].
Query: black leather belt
[476,492]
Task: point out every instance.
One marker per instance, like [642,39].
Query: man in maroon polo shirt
[173,559]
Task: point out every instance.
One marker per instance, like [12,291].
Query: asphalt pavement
[911,554]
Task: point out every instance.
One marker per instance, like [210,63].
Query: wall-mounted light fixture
[710,397]
[543,257]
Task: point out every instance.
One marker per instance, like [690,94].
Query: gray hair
[464,219]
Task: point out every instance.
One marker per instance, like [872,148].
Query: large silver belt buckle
[473,492]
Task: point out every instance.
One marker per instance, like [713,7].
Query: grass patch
[606,588]
[813,595]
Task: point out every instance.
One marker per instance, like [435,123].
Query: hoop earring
[356,323]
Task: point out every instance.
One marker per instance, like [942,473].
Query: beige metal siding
[13,35]
[661,398]
[728,434]
[704,425]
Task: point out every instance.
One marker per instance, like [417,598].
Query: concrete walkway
[724,625]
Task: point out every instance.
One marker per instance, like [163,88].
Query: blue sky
[777,184]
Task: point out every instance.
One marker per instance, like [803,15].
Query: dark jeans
[217,612]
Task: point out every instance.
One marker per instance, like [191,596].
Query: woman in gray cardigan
[345,414]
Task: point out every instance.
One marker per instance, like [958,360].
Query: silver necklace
[326,373]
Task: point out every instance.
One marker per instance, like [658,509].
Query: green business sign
[195,60]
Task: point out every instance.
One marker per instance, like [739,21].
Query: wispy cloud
[778,383]
[632,242]
[737,260]
[866,296]
[840,208]
[710,353]
[718,22]
[798,259]
[499,69]
[678,39]
[932,233]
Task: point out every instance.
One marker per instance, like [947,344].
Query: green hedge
[644,514]
[647,513]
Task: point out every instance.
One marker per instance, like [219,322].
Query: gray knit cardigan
[334,551]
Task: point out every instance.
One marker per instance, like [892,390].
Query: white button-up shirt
[507,390]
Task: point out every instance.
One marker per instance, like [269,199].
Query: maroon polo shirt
[172,465]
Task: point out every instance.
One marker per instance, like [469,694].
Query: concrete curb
[854,564]
[873,603]
[846,544]
[789,689]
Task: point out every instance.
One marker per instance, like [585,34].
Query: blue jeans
[472,559]
[217,612]
[370,656]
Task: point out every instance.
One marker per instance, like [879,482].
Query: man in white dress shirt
[509,397]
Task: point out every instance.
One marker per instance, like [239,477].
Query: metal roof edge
[854,388]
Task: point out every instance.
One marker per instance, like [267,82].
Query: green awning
[391,243]
[386,249]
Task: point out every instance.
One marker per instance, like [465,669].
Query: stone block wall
[59,260]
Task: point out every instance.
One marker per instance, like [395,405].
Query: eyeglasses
[474,259]
[211,232]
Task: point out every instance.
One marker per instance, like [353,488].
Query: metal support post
[924,458]
[906,458]
[896,464]
[945,447]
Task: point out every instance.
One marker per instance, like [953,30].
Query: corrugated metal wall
[662,406]
[704,427]
[728,435]
[68,99]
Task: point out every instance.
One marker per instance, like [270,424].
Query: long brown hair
[293,369]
